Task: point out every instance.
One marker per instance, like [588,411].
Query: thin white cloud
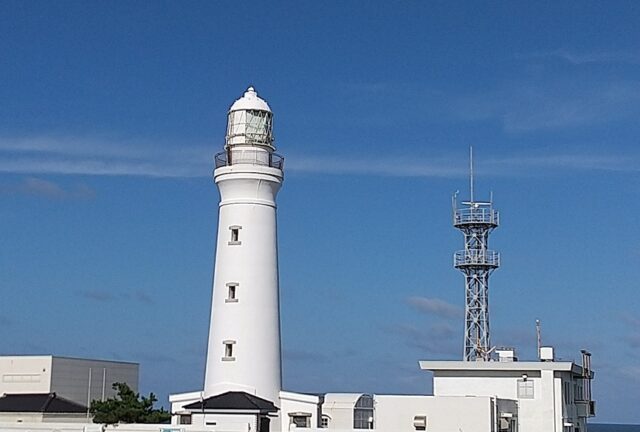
[47,189]
[85,156]
[382,166]
[437,339]
[434,306]
[582,58]
[526,106]
[98,156]
[576,162]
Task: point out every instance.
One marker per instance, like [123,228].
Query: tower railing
[476,215]
[471,258]
[250,157]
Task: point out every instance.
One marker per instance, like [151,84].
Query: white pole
[104,379]
[89,394]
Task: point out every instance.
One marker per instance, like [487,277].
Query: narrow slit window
[228,350]
[232,292]
[235,235]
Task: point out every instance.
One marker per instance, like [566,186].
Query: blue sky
[110,113]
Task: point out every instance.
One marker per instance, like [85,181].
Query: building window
[324,421]
[363,412]
[228,350]
[235,235]
[525,389]
[184,419]
[300,420]
[232,292]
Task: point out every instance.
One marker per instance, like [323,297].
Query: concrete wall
[30,417]
[92,427]
[546,412]
[339,408]
[295,403]
[19,374]
[444,414]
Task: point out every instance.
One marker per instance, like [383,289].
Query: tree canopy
[128,407]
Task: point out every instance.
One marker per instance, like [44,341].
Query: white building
[57,389]
[550,395]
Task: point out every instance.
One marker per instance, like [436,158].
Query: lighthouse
[243,352]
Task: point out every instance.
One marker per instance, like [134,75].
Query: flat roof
[53,356]
[458,365]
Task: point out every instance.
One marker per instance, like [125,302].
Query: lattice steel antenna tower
[476,220]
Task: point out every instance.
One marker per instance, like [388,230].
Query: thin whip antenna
[471,171]
[538,336]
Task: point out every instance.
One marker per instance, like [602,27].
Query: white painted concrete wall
[253,320]
[546,412]
[30,417]
[339,408]
[25,374]
[225,423]
[293,403]
[93,427]
[444,414]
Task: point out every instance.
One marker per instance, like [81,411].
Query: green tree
[127,407]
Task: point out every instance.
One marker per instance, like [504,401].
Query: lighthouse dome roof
[250,101]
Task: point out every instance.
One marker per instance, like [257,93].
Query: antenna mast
[471,171]
[538,336]
[476,220]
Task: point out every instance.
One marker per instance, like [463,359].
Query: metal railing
[250,157]
[479,215]
[466,258]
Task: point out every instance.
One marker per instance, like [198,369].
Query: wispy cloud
[97,156]
[557,103]
[47,189]
[631,373]
[434,306]
[382,166]
[435,339]
[582,58]
[71,156]
[575,162]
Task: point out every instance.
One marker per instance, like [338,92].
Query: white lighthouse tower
[244,336]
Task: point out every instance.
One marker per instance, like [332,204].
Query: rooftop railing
[472,258]
[476,215]
[250,157]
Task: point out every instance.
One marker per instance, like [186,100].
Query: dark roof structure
[39,402]
[234,401]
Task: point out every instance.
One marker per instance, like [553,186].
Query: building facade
[75,379]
